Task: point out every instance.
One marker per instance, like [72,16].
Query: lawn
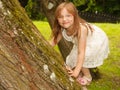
[110,70]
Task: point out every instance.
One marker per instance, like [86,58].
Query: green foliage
[33,11]
[110,70]
[103,6]
[106,6]
[28,8]
[90,4]
[84,5]
[79,2]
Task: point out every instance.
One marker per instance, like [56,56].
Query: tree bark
[27,61]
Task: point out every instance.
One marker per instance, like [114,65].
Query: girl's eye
[65,16]
[68,15]
[60,16]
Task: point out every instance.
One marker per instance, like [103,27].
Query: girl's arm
[52,42]
[82,36]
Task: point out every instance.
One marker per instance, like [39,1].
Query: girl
[90,42]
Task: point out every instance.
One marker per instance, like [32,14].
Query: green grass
[44,28]
[110,70]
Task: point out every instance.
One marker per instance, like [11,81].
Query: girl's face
[65,19]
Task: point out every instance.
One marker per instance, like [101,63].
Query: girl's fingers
[70,71]
[68,68]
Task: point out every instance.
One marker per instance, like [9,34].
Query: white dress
[97,48]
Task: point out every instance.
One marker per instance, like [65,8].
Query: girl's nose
[64,18]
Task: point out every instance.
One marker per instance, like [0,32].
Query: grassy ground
[110,70]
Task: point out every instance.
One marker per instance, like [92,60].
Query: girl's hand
[68,68]
[74,73]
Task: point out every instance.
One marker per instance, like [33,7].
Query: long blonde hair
[71,9]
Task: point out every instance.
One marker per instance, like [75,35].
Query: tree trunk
[27,61]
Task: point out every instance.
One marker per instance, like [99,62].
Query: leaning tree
[27,61]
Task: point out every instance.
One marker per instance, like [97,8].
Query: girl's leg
[86,72]
[86,77]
